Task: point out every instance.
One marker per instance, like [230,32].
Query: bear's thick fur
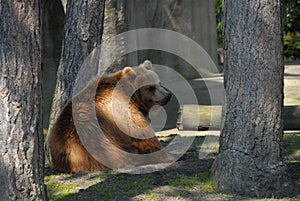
[120,106]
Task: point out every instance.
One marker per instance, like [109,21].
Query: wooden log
[199,117]
[203,117]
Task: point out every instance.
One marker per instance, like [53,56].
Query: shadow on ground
[187,179]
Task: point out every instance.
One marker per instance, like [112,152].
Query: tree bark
[52,35]
[21,136]
[83,32]
[115,22]
[250,160]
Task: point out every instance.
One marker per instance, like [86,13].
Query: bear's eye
[151,88]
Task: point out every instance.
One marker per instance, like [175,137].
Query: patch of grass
[150,195]
[184,185]
[104,175]
[62,186]
[98,178]
[184,182]
[128,187]
[294,139]
[180,193]
[204,176]
[54,176]
[106,191]
[59,191]
[147,178]
[291,145]
[208,185]
[200,181]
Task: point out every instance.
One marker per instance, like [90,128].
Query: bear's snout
[166,95]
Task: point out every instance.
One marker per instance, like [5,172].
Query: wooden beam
[203,117]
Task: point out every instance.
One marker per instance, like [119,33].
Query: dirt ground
[185,180]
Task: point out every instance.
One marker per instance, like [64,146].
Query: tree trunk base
[235,172]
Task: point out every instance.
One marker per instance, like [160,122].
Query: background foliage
[291,28]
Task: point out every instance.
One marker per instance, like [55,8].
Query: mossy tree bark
[83,32]
[21,136]
[250,160]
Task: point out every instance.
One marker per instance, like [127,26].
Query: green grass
[54,176]
[204,176]
[292,138]
[184,185]
[292,145]
[201,181]
[184,182]
[60,191]
[152,195]
[60,188]
[106,191]
[208,185]
[125,186]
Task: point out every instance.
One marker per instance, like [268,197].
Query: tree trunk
[83,32]
[52,34]
[21,136]
[250,160]
[114,24]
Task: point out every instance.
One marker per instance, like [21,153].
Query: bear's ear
[147,64]
[118,75]
[129,73]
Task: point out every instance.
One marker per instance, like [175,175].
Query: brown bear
[119,103]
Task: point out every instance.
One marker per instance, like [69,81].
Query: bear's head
[144,86]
